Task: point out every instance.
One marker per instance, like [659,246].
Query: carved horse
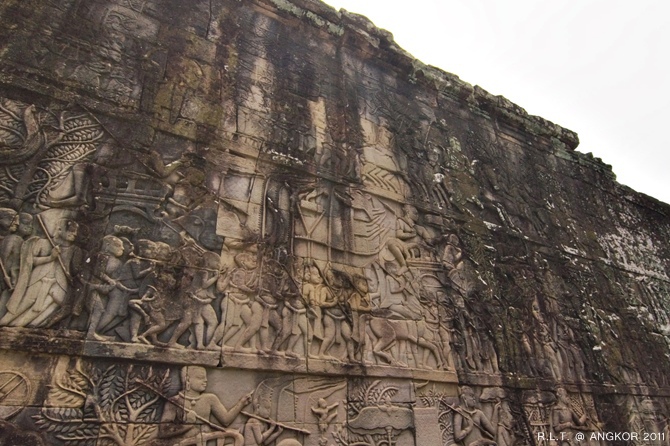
[389,332]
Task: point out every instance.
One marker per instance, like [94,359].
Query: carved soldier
[360,306]
[197,297]
[109,284]
[243,287]
[336,328]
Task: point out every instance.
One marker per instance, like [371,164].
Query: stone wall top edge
[495,106]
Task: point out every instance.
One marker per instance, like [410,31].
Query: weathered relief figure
[360,306]
[294,327]
[194,417]
[325,415]
[336,328]
[400,299]
[544,338]
[646,419]
[109,296]
[315,293]
[264,310]
[565,419]
[571,356]
[471,426]
[409,238]
[261,430]
[10,252]
[158,305]
[242,289]
[47,265]
[197,297]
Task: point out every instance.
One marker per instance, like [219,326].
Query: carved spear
[53,245]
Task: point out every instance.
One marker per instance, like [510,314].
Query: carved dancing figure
[159,305]
[187,417]
[322,411]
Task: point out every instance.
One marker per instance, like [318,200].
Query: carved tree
[117,405]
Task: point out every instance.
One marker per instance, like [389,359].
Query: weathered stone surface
[262,222]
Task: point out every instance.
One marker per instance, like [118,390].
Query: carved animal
[389,331]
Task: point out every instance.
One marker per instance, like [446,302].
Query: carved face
[197,379]
[411,212]
[114,246]
[70,232]
[14,225]
[25,224]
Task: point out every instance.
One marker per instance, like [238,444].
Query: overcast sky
[600,68]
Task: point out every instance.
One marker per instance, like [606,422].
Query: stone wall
[262,222]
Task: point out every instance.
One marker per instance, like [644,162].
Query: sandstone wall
[262,222]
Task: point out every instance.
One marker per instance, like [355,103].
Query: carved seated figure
[471,426]
[186,419]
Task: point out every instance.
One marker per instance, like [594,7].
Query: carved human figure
[294,325]
[408,238]
[336,329]
[158,305]
[552,357]
[264,309]
[571,356]
[197,296]
[242,288]
[16,228]
[187,418]
[564,419]
[108,285]
[452,254]
[143,270]
[645,418]
[261,431]
[471,426]
[325,415]
[360,306]
[505,435]
[400,298]
[45,277]
[314,292]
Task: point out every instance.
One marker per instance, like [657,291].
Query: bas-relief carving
[550,413]
[266,277]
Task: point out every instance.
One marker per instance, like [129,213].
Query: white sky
[598,67]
